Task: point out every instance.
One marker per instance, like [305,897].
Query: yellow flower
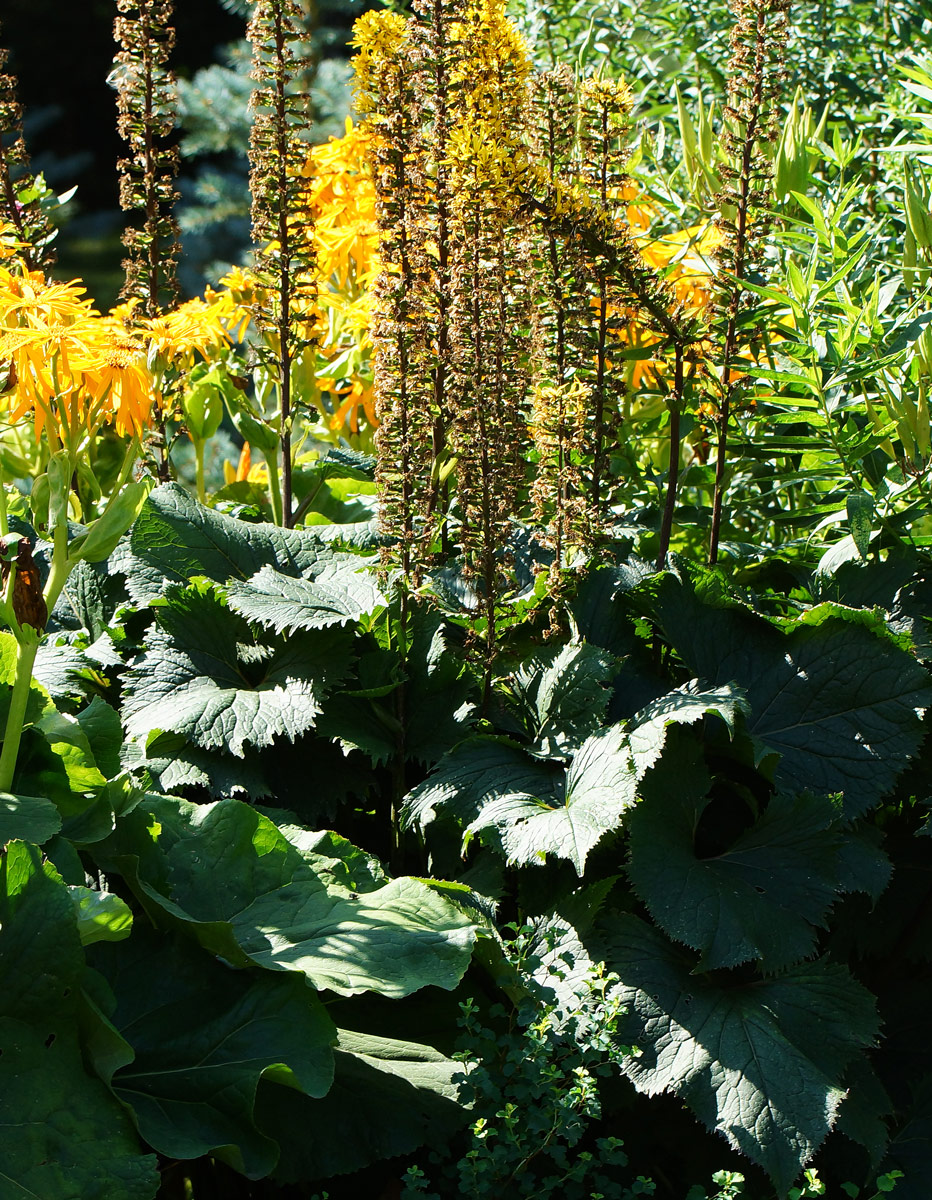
[194,328]
[115,380]
[377,39]
[342,203]
[27,300]
[72,369]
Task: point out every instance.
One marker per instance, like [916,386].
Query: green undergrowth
[264,869]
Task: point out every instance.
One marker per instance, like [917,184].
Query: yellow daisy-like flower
[686,252]
[27,300]
[195,328]
[69,368]
[359,396]
[116,381]
[235,302]
[342,203]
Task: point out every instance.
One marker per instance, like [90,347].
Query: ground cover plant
[465,677]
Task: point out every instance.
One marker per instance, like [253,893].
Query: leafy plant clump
[503,755]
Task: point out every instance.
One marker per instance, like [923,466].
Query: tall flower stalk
[492,295]
[285,310]
[146,119]
[19,200]
[435,42]
[404,388]
[604,120]
[758,40]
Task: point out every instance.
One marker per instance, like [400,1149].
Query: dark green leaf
[561,695]
[531,807]
[101,725]
[175,538]
[204,676]
[437,708]
[334,593]
[229,877]
[761,1062]
[203,1036]
[63,1134]
[599,787]
[82,603]
[27,819]
[762,897]
[839,703]
[169,763]
[479,771]
[860,508]
[62,670]
[393,1095]
[684,706]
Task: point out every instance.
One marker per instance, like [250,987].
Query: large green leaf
[838,701]
[393,1096]
[63,1134]
[229,877]
[69,741]
[203,1035]
[599,610]
[63,670]
[101,725]
[27,819]
[761,897]
[335,860]
[204,675]
[101,916]
[437,709]
[169,763]
[599,787]
[762,1062]
[560,696]
[420,714]
[361,723]
[480,771]
[330,593]
[395,940]
[175,538]
[684,706]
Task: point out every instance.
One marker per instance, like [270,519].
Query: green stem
[4,522]
[199,469]
[61,567]
[275,489]
[27,645]
[12,734]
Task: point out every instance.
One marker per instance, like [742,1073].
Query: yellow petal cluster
[342,203]
[377,40]
[66,366]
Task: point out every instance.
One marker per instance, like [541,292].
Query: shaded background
[62,52]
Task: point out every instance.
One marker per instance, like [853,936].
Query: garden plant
[464,677]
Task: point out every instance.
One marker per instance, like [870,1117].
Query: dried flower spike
[286,307]
[19,202]
[146,121]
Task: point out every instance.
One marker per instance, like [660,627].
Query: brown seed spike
[29,605]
